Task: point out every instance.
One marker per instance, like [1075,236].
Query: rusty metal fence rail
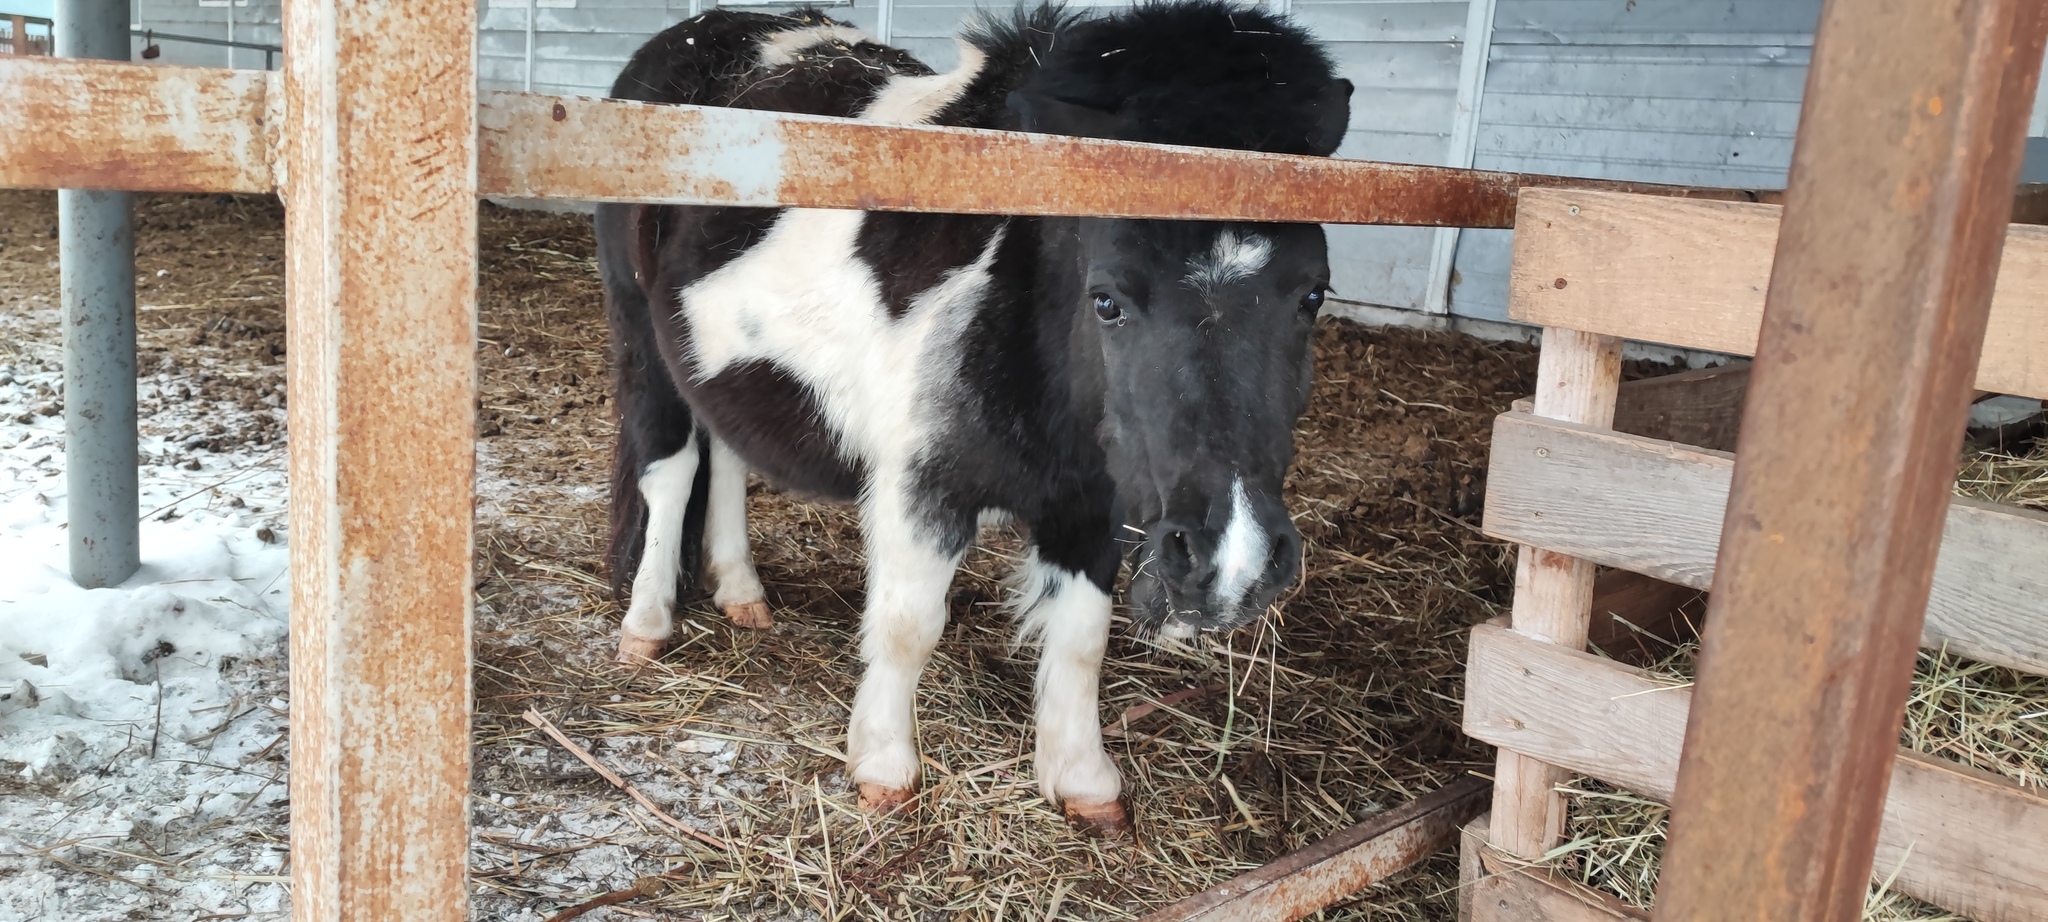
[190,129]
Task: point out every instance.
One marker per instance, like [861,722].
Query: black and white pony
[1096,380]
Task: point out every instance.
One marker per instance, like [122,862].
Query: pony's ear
[1049,115]
[1332,108]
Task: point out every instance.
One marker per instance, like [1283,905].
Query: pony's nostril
[1284,564]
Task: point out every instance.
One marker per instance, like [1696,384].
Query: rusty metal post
[1901,184]
[96,259]
[379,162]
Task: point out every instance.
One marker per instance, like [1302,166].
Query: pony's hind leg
[908,573]
[729,554]
[665,487]
[1068,614]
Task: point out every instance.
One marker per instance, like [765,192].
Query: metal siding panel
[1626,16]
[1402,58]
[1648,90]
[1400,65]
[1676,73]
[1389,110]
[555,19]
[612,48]
[1433,21]
[1479,283]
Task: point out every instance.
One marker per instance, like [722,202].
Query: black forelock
[1207,73]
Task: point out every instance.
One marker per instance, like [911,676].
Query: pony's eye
[1313,301]
[1107,309]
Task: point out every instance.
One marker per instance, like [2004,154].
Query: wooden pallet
[1646,493]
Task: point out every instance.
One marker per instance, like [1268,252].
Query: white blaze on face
[1241,555]
[1231,259]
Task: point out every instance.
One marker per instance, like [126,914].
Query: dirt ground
[1343,705]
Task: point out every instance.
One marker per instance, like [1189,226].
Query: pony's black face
[1204,331]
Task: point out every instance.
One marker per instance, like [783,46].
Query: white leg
[729,555]
[908,575]
[665,486]
[1069,618]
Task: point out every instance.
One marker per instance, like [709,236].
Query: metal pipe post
[96,251]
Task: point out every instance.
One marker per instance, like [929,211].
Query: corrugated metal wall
[1675,91]
[1402,58]
[257,22]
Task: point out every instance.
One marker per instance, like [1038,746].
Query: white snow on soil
[142,727]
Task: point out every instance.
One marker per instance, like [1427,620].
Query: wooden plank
[1639,619]
[380,283]
[1961,839]
[1520,895]
[1494,886]
[1701,407]
[1692,273]
[80,124]
[1305,881]
[1655,508]
[1527,897]
[1577,376]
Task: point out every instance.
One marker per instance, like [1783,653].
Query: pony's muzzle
[1219,579]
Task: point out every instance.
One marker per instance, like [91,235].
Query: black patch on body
[1024,431]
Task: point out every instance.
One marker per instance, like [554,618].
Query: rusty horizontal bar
[78,124]
[102,125]
[535,146]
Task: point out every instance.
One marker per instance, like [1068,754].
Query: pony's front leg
[1068,614]
[730,555]
[910,566]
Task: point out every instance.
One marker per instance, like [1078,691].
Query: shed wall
[1670,91]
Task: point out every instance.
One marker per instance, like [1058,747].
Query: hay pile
[1983,716]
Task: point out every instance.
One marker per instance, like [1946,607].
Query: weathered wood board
[1655,508]
[1692,273]
[1961,839]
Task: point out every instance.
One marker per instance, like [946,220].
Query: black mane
[1208,73]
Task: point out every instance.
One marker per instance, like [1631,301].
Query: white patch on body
[1233,258]
[780,48]
[803,300]
[1068,617]
[1241,554]
[665,486]
[916,100]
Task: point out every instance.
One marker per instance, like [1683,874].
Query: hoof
[875,798]
[753,615]
[635,650]
[1102,821]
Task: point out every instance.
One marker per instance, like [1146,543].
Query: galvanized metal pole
[96,250]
